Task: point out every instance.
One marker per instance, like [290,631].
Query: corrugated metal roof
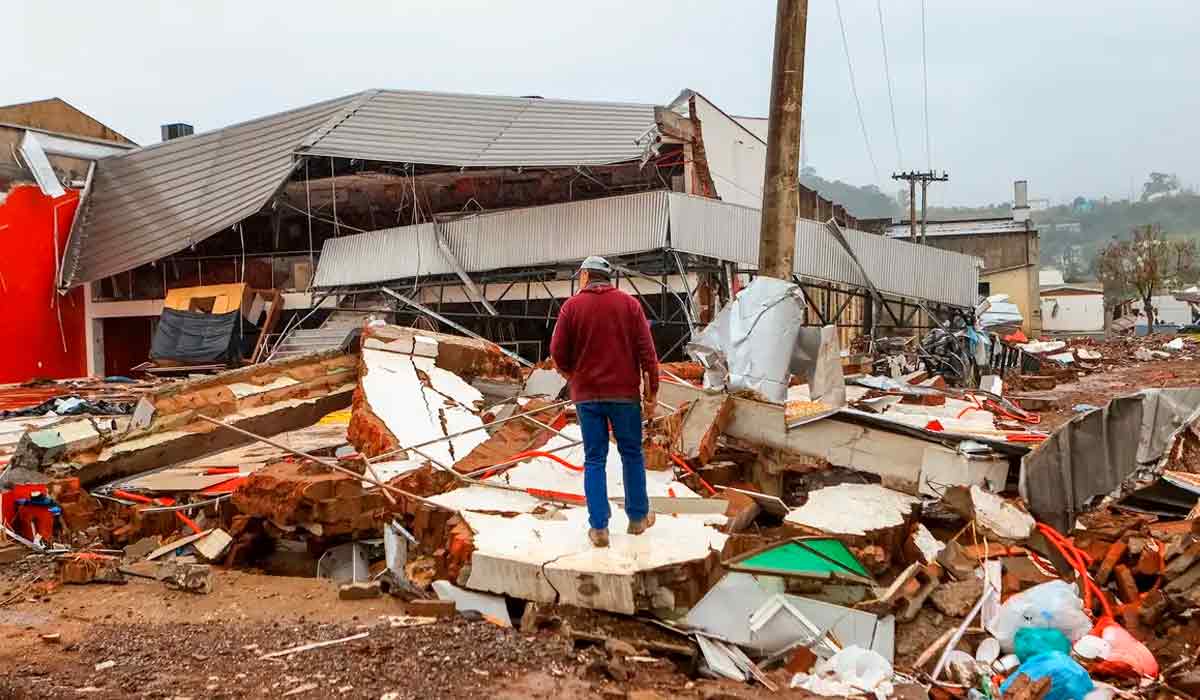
[959,228]
[158,200]
[380,256]
[514,238]
[730,232]
[485,130]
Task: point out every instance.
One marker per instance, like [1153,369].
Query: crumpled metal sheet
[1166,412]
[1095,453]
[757,343]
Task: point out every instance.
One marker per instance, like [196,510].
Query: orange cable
[675,458]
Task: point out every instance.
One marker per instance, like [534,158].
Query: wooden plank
[177,480]
[181,542]
[314,645]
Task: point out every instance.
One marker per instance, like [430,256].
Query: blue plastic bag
[1031,641]
[1068,680]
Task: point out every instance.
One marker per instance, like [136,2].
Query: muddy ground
[1098,388]
[173,644]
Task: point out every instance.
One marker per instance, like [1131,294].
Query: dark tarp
[1097,451]
[73,406]
[192,336]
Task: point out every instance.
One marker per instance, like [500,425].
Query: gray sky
[1076,96]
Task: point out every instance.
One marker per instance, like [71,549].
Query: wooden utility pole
[781,182]
[912,177]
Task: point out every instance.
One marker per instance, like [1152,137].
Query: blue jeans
[625,418]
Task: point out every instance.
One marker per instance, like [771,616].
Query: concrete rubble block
[39,448]
[138,550]
[741,512]
[703,422]
[922,546]
[544,382]
[265,399]
[913,594]
[441,609]
[90,568]
[467,357]
[1185,581]
[80,513]
[955,561]
[361,590]
[908,463]
[956,598]
[998,517]
[859,515]
[552,561]
[183,575]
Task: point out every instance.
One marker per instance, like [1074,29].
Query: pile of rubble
[904,533]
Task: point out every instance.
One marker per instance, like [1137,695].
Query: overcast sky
[1078,97]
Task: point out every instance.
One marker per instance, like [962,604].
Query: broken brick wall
[324,502]
[265,399]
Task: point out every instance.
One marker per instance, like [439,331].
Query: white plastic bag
[851,671]
[1053,604]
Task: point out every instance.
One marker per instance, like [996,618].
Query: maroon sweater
[602,340]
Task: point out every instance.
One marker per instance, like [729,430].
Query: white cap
[597,263]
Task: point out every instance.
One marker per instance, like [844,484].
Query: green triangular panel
[805,557]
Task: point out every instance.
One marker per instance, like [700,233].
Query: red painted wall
[31,344]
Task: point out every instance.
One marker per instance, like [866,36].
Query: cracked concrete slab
[552,561]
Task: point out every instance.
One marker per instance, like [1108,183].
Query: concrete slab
[552,561]
[853,509]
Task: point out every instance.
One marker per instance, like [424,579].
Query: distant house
[1009,249]
[53,116]
[1071,308]
[1169,310]
[1050,277]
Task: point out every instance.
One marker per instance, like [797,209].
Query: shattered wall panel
[414,386]
[1095,453]
[1086,458]
[265,399]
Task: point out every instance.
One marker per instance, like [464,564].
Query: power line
[887,72]
[925,85]
[854,90]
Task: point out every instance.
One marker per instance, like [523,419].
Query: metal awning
[514,238]
[635,223]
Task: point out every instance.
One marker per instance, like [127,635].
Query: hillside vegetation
[1072,235]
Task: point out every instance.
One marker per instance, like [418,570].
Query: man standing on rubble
[602,345]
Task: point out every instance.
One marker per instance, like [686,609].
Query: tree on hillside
[1146,265]
[1159,183]
[866,202]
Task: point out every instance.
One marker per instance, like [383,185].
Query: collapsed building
[394,433]
[473,206]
